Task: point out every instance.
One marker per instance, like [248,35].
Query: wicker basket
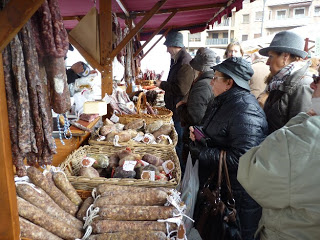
[163,114]
[72,165]
[132,143]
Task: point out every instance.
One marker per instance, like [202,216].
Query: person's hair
[231,45]
[294,58]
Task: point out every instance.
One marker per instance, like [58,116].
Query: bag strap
[231,200]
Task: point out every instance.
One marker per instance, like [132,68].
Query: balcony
[288,22]
[224,25]
[216,41]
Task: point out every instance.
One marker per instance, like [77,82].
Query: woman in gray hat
[235,122]
[289,89]
[192,109]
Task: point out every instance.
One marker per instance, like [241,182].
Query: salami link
[33,231]
[60,35]
[84,207]
[12,113]
[150,198]
[65,186]
[56,74]
[110,226]
[47,184]
[138,213]
[106,189]
[131,235]
[52,224]
[42,200]
[23,106]
[32,75]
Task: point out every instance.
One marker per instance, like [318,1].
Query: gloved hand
[195,148]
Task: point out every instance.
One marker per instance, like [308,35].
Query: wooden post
[9,227]
[105,28]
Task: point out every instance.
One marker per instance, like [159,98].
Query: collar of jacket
[204,75]
[295,78]
[228,95]
[176,57]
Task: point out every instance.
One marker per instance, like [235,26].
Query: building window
[258,17]
[317,11]
[299,12]
[196,37]
[270,15]
[245,18]
[281,14]
[244,37]
[225,35]
[257,35]
[215,35]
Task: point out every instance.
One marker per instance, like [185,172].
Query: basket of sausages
[89,166]
[136,133]
[147,112]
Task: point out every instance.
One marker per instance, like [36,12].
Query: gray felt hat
[288,42]
[174,39]
[238,69]
[203,61]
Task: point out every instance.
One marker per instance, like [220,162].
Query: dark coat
[236,124]
[293,97]
[180,78]
[199,96]
[71,76]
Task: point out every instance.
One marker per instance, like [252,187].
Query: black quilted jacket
[235,123]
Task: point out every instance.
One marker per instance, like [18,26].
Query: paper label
[129,165]
[149,175]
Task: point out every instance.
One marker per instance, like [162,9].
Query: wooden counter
[79,137]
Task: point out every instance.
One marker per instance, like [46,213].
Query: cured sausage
[65,186]
[147,198]
[23,107]
[138,213]
[12,113]
[111,226]
[84,207]
[52,224]
[42,200]
[110,190]
[33,231]
[47,184]
[56,74]
[131,235]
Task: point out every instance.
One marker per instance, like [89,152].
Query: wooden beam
[78,18]
[85,54]
[163,35]
[9,227]
[182,9]
[105,32]
[155,33]
[14,16]
[138,27]
[123,8]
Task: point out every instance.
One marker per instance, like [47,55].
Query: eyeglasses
[316,79]
[215,78]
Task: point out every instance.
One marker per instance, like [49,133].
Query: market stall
[150,18]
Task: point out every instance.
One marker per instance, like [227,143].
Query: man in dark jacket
[179,80]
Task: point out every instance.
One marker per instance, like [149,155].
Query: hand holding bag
[214,219]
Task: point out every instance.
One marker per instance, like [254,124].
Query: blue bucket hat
[174,39]
[288,42]
[238,69]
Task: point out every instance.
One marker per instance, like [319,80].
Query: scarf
[278,79]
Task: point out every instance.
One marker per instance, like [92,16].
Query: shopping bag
[189,190]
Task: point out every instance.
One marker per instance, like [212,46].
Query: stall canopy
[191,15]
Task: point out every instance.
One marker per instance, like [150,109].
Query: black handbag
[215,219]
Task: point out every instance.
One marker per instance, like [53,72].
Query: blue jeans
[179,147]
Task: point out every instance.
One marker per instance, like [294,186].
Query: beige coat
[282,175]
[261,71]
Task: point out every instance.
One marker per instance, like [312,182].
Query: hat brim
[239,81]
[294,51]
